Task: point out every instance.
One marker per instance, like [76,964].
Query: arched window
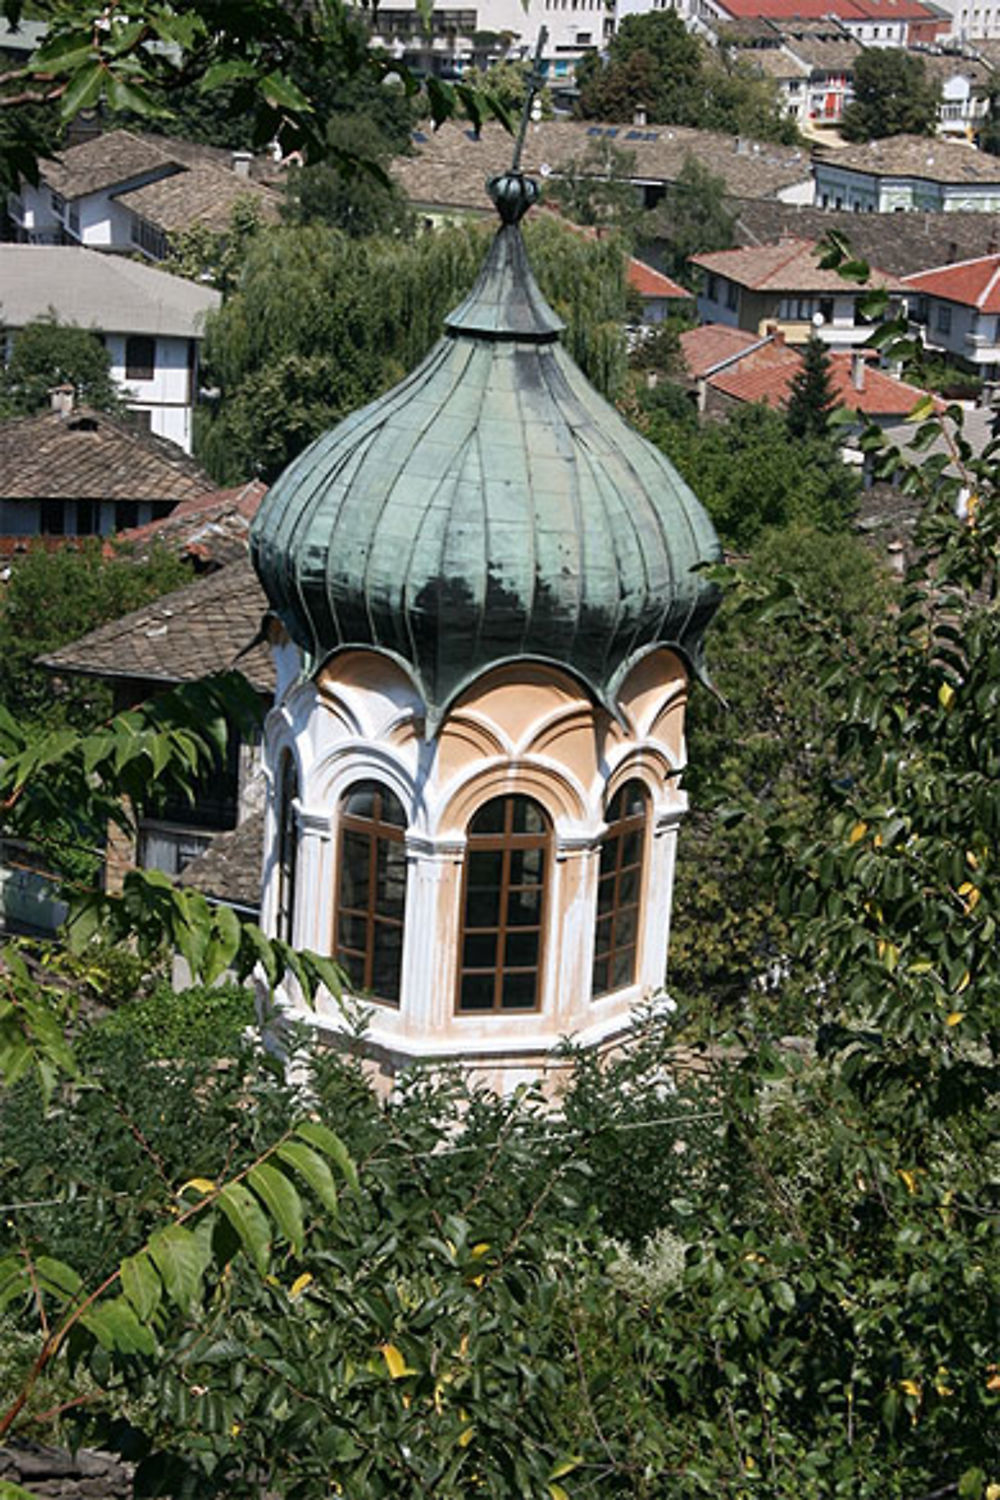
[371,890]
[503,907]
[288,791]
[619,890]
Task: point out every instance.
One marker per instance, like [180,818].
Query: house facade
[873,23]
[957,309]
[151,323]
[763,288]
[902,173]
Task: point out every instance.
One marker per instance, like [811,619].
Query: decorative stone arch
[558,793]
[651,765]
[342,765]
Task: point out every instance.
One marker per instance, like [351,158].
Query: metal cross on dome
[536,81]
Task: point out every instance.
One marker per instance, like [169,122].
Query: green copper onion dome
[491,507]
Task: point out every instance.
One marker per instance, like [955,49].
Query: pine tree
[811,397]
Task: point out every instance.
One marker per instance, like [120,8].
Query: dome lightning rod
[536,81]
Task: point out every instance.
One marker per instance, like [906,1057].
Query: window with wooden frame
[503,906]
[288,791]
[619,890]
[140,357]
[370,908]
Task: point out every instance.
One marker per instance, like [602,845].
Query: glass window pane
[628,886]
[392,809]
[352,932]
[527,816]
[390,886]
[602,941]
[482,906]
[519,991]
[479,951]
[524,907]
[522,949]
[353,965]
[633,800]
[623,968]
[359,802]
[606,894]
[387,961]
[489,818]
[625,927]
[632,849]
[477,992]
[354,883]
[601,976]
[609,855]
[485,867]
[526,866]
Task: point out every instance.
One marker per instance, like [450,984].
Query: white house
[905,172]
[151,323]
[958,308]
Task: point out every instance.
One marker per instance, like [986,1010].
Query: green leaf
[222,945]
[9,1491]
[56,1277]
[278,1194]
[14,1280]
[83,91]
[116,1327]
[244,1214]
[129,96]
[332,1146]
[181,1259]
[257,950]
[312,1169]
[923,409]
[141,1285]
[283,93]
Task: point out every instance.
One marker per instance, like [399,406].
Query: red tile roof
[649,282]
[791,265]
[974,283]
[710,345]
[844,10]
[766,375]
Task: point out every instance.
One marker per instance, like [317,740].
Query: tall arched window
[288,791]
[619,890]
[371,890]
[503,907]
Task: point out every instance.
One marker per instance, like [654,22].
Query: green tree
[811,396]
[596,189]
[321,324]
[48,353]
[750,476]
[693,217]
[359,200]
[892,96]
[203,254]
[54,597]
[507,82]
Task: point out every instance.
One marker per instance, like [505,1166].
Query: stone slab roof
[788,266]
[973,283]
[212,529]
[930,159]
[107,292]
[231,867]
[203,195]
[775,62]
[184,635]
[103,161]
[89,455]
[449,167]
[899,243]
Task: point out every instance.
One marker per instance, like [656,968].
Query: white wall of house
[168,394]
[958,329]
[96,220]
[840,187]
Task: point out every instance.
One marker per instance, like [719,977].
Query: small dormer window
[140,357]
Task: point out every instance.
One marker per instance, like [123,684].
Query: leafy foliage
[202,1021]
[892,96]
[655,64]
[811,395]
[360,200]
[693,218]
[48,353]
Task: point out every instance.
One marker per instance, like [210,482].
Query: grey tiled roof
[103,161]
[899,243]
[182,636]
[230,868]
[202,194]
[932,159]
[106,292]
[449,168]
[91,456]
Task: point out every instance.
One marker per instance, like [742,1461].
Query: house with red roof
[958,310]
[759,288]
[874,23]
[660,294]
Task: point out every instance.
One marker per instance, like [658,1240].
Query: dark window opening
[503,906]
[53,518]
[288,791]
[88,517]
[619,891]
[140,357]
[370,909]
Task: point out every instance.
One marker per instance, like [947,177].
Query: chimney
[897,558]
[62,398]
[241,163]
[857,370]
[639,115]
